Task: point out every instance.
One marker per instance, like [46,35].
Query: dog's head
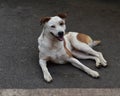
[55,25]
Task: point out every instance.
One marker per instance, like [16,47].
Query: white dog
[59,47]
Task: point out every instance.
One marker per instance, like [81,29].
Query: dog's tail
[94,43]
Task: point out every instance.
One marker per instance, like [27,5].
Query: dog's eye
[53,26]
[61,23]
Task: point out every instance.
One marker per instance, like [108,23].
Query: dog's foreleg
[46,73]
[81,55]
[79,65]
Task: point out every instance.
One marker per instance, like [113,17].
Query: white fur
[50,48]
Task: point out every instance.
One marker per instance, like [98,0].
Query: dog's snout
[61,33]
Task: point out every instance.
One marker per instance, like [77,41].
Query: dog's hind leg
[79,65]
[81,55]
[81,46]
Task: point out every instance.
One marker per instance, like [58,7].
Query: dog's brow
[61,22]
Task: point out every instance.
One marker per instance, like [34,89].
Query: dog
[56,46]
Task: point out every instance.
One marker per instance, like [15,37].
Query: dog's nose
[61,33]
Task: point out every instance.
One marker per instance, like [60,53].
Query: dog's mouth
[60,38]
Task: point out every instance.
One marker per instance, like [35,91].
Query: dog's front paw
[95,74]
[48,78]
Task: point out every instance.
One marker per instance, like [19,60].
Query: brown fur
[67,51]
[44,19]
[62,15]
[84,38]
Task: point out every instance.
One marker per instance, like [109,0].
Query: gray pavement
[20,28]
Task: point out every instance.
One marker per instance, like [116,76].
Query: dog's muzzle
[60,36]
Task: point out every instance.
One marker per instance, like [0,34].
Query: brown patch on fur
[47,58]
[67,51]
[84,38]
[44,19]
[62,15]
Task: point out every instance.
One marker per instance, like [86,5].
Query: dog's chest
[53,52]
[58,56]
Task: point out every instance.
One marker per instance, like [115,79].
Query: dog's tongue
[61,38]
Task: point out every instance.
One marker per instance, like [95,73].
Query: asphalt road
[20,28]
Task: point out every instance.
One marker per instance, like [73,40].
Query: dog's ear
[44,20]
[62,15]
